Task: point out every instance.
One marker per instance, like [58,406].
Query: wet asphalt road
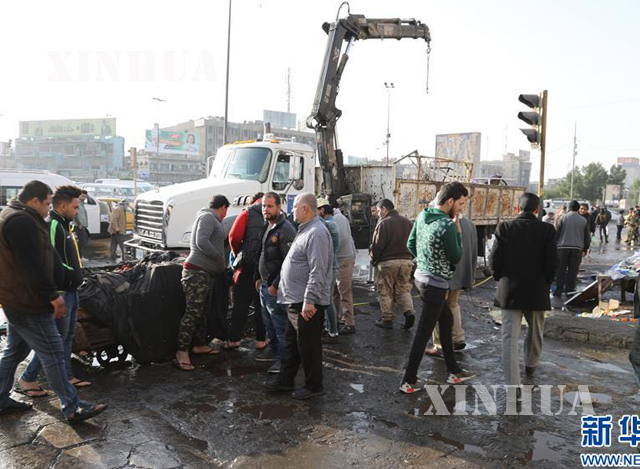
[219,415]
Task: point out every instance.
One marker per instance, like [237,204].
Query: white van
[116,188]
[11,181]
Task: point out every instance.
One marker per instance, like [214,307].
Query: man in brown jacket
[393,265]
[117,229]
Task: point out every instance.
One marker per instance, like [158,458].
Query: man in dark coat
[523,260]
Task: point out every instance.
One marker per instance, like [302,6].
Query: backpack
[602,218]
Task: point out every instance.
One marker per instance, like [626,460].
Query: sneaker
[457,378]
[275,368]
[411,388]
[347,330]
[384,324]
[409,320]
[265,355]
[331,339]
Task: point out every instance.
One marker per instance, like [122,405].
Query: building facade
[80,149]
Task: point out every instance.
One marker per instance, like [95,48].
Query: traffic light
[534,119]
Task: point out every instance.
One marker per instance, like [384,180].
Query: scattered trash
[358,387]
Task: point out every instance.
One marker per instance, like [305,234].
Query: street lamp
[160,100]
[226,90]
[389,86]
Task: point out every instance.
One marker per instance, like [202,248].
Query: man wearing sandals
[65,208]
[31,302]
[205,261]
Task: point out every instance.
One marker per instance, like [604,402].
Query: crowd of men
[296,272]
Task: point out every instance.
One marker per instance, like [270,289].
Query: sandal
[80,383]
[434,352]
[31,392]
[184,366]
[211,351]
[226,346]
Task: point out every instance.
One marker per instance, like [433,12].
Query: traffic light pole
[543,142]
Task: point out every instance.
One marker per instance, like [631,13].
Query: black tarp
[143,306]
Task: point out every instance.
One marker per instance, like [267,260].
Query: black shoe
[13,407]
[347,330]
[409,320]
[275,368]
[459,346]
[265,355]
[530,370]
[274,385]
[304,393]
[384,324]
[84,413]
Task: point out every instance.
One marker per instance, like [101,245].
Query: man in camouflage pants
[393,263]
[205,262]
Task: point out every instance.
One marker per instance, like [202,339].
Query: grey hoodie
[207,242]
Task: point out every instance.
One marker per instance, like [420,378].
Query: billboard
[612,192]
[628,160]
[172,142]
[459,147]
[282,120]
[69,128]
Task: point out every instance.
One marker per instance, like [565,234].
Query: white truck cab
[163,217]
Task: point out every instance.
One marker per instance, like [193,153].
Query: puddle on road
[547,447]
[457,444]
[596,397]
[227,368]
[609,367]
[268,411]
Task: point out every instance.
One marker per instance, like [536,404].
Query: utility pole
[575,151]
[543,143]
[157,128]
[288,89]
[389,87]
[226,91]
[133,151]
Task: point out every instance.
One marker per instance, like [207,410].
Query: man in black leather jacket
[277,235]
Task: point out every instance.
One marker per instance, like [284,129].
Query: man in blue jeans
[277,236]
[30,299]
[66,201]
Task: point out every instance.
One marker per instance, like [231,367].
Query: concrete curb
[600,331]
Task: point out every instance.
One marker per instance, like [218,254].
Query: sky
[484,54]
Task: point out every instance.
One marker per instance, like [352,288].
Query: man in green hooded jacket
[436,241]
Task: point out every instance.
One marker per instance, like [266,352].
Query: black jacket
[274,249]
[65,245]
[523,260]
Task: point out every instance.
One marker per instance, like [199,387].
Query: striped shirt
[307,270]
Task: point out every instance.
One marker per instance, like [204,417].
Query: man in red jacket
[245,242]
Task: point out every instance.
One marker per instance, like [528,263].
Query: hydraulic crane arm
[325,114]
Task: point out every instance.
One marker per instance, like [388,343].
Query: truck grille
[148,220]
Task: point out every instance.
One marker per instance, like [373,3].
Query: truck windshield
[249,163]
